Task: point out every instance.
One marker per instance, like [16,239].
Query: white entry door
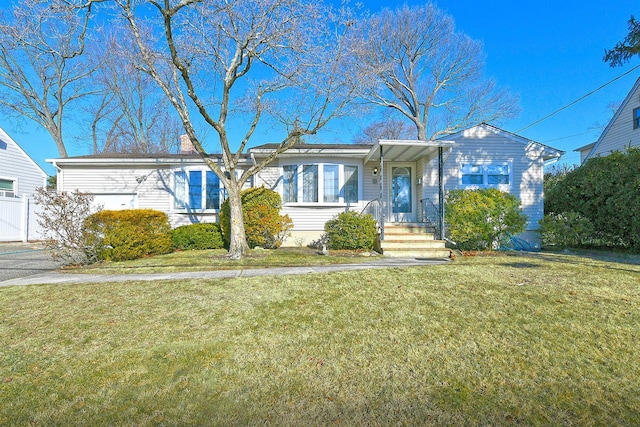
[402,196]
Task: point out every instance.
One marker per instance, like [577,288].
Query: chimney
[186,146]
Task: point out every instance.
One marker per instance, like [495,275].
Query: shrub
[606,191]
[263,224]
[198,236]
[128,234]
[555,175]
[566,230]
[61,217]
[482,219]
[351,230]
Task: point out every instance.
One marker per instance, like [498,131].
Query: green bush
[128,234]
[263,224]
[198,236]
[351,230]
[566,230]
[606,191]
[482,219]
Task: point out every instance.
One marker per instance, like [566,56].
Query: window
[497,174]
[485,176]
[320,183]
[290,184]
[7,188]
[212,196]
[310,183]
[331,184]
[472,175]
[196,188]
[351,184]
[636,118]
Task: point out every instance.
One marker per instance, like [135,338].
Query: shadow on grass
[520,264]
[607,260]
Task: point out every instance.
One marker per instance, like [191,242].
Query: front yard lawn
[217,260]
[546,339]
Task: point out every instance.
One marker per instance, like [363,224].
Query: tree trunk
[238,246]
[422,130]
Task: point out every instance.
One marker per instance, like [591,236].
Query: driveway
[23,260]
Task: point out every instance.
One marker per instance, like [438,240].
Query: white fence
[18,220]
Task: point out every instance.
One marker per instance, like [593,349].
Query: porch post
[383,201]
[441,191]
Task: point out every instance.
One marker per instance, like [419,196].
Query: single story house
[398,181]
[622,131]
[20,176]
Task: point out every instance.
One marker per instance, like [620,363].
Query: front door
[402,197]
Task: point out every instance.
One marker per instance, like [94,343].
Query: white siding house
[398,180]
[622,131]
[19,173]
[485,156]
[20,176]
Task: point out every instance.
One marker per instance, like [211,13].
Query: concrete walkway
[19,260]
[54,277]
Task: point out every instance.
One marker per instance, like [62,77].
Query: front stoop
[412,240]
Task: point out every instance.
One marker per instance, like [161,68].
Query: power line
[578,100]
[574,135]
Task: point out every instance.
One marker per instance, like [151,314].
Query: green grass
[218,260]
[548,339]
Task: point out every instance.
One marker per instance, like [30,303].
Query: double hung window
[497,175]
[7,188]
[196,190]
[322,183]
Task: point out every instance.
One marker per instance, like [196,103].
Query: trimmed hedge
[263,224]
[198,236]
[351,231]
[606,191]
[566,230]
[128,234]
[482,219]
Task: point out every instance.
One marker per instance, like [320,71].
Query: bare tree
[238,64]
[42,67]
[415,62]
[388,127]
[130,114]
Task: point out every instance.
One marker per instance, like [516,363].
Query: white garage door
[116,202]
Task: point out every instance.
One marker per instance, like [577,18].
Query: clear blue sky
[548,52]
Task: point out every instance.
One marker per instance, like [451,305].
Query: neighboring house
[622,131]
[20,176]
[396,180]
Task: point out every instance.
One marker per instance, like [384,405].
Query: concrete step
[421,253]
[416,237]
[408,231]
[412,240]
[411,244]
[407,228]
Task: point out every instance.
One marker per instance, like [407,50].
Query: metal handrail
[430,215]
[374,208]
